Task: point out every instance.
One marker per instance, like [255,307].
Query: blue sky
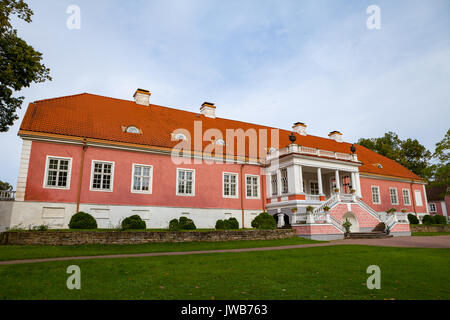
[267,62]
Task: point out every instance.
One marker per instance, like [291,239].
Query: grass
[335,272]
[32,252]
[428,234]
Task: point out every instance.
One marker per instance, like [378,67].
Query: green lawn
[30,252]
[335,272]
[427,234]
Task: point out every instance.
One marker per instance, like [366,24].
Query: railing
[312,197]
[369,209]
[298,218]
[7,195]
[311,151]
[347,197]
[402,217]
[329,203]
[390,221]
[335,222]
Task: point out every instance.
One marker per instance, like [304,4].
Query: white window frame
[272,182]
[418,198]
[310,189]
[434,205]
[258,184]
[409,197]
[193,183]
[284,186]
[378,193]
[396,196]
[237,185]
[150,180]
[69,172]
[113,164]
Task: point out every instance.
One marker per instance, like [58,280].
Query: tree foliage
[20,64]
[439,173]
[410,153]
[5,186]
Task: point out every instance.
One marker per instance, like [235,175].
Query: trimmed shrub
[437,219]
[133,222]
[264,221]
[427,219]
[182,224]
[229,224]
[82,220]
[413,219]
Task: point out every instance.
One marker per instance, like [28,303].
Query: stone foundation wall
[64,238]
[425,228]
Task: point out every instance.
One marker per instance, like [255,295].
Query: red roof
[97,117]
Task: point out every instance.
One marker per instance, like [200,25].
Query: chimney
[208,110]
[336,136]
[300,128]
[142,97]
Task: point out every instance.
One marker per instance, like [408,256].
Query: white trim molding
[69,172]
[236,195]
[23,170]
[150,179]
[111,185]
[192,194]
[258,184]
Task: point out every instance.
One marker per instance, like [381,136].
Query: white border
[429,207]
[69,172]
[258,183]
[379,194]
[396,195]
[92,176]
[150,182]
[409,197]
[237,185]
[193,183]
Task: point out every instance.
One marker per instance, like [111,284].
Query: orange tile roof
[97,117]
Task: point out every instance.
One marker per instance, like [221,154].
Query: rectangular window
[313,187]
[252,186]
[102,176]
[284,181]
[432,207]
[274,181]
[418,197]
[406,197]
[394,196]
[57,173]
[142,178]
[185,182]
[376,195]
[230,185]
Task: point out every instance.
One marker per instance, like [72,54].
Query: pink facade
[385,197]
[208,179]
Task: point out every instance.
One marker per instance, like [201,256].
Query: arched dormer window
[272,149]
[220,142]
[133,129]
[180,136]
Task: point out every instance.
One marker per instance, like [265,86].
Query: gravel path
[410,242]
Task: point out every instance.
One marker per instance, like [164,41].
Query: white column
[269,185]
[319,180]
[338,183]
[291,179]
[300,179]
[358,185]
[279,182]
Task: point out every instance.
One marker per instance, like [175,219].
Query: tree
[410,153]
[20,64]
[5,186]
[439,173]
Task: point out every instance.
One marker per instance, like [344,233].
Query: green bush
[413,219]
[264,221]
[133,222]
[437,219]
[82,220]
[229,224]
[182,224]
[427,219]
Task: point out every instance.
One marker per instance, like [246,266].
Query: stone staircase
[368,235]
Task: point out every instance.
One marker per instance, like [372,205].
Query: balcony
[7,195]
[293,148]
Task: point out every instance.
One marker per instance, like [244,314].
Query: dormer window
[272,149]
[378,165]
[180,136]
[220,142]
[133,129]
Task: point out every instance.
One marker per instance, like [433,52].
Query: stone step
[368,235]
